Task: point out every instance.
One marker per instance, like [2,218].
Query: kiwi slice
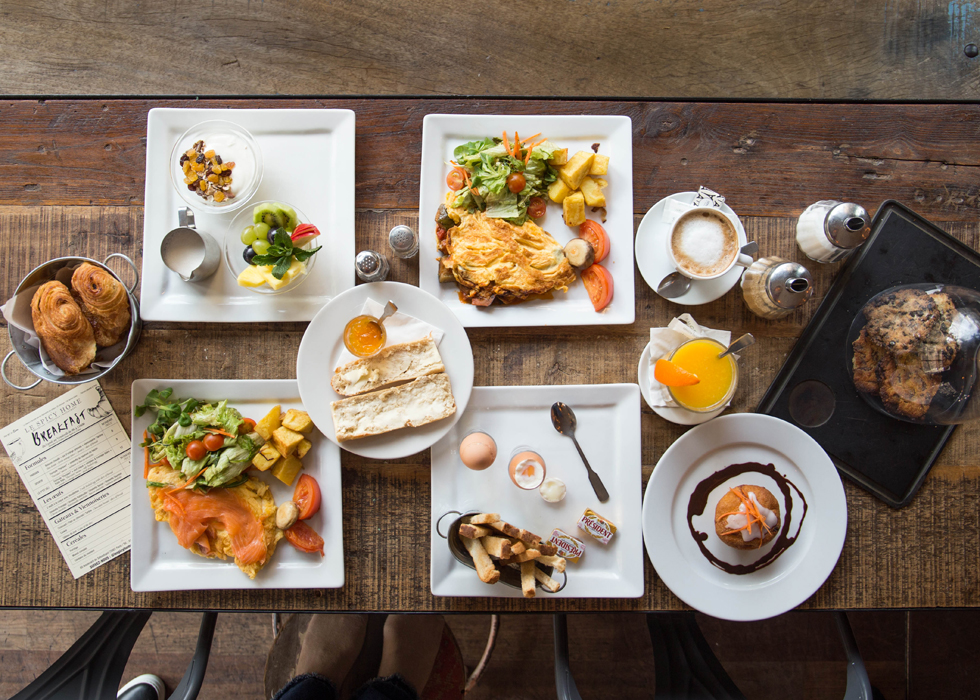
[289,220]
[268,214]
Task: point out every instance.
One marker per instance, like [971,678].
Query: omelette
[237,522]
[494,260]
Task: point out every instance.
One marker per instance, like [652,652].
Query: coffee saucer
[654,263]
[674,415]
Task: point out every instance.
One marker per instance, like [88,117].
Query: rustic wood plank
[927,554]
[768,159]
[834,50]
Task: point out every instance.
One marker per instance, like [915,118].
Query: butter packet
[597,526]
[569,547]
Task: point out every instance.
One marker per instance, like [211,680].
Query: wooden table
[71,182]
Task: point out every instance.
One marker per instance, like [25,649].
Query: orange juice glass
[719,377]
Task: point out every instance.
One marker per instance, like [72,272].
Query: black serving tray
[888,457]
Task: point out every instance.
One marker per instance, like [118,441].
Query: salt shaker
[829,230]
[371,266]
[403,241]
[774,287]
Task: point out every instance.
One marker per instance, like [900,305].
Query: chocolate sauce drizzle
[699,500]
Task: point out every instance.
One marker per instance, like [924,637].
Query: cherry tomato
[307,496]
[536,207]
[456,179]
[593,232]
[599,284]
[304,538]
[213,442]
[195,450]
[516,182]
[247,426]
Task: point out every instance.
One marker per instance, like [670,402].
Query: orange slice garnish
[669,374]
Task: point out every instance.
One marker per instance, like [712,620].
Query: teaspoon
[743,342]
[563,419]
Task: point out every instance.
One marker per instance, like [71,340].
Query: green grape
[260,246]
[261,230]
[248,235]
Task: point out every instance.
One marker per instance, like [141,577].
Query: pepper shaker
[403,241]
[371,266]
[829,230]
[774,287]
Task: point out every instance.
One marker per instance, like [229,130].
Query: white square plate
[322,141]
[441,133]
[158,563]
[608,418]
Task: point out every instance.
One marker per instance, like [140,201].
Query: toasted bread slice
[420,402]
[394,364]
[474,532]
[484,518]
[528,538]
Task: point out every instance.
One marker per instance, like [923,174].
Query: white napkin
[663,341]
[399,328]
[17,312]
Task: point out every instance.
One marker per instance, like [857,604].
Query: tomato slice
[307,496]
[304,538]
[593,232]
[536,207]
[456,179]
[599,284]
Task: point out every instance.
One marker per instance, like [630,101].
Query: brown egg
[478,451]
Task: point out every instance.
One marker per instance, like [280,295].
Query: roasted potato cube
[573,209]
[601,182]
[287,469]
[286,440]
[559,157]
[577,168]
[266,457]
[302,448]
[558,190]
[298,421]
[593,194]
[600,165]
[269,423]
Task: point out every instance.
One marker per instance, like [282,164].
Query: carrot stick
[216,431]
[517,145]
[192,479]
[532,137]
[507,143]
[527,158]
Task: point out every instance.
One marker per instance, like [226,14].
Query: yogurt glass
[235,145]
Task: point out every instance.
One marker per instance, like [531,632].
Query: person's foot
[411,644]
[330,645]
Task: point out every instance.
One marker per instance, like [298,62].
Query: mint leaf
[282,265]
[266,259]
[304,255]
[283,240]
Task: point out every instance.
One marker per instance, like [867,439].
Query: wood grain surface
[926,555]
[825,49]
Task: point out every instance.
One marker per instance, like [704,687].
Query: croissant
[104,302]
[66,334]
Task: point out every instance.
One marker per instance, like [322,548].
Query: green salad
[501,176]
[202,440]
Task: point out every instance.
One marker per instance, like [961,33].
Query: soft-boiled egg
[478,451]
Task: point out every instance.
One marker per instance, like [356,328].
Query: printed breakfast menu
[73,456]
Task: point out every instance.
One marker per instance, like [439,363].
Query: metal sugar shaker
[774,287]
[403,241]
[371,266]
[829,230]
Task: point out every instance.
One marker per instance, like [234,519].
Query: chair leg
[93,666]
[685,667]
[564,683]
[190,684]
[858,683]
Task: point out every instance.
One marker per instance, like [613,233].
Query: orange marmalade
[364,336]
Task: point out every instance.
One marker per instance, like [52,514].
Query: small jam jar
[364,336]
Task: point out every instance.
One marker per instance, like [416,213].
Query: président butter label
[569,547]
[597,526]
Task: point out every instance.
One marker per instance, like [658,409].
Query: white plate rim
[632,583]
[648,260]
[310,370]
[247,307]
[827,503]
[548,314]
[142,579]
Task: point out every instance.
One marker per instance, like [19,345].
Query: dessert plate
[326,193]
[321,351]
[791,578]
[159,563]
[441,133]
[674,415]
[609,431]
[654,263]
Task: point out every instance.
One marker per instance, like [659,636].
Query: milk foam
[704,244]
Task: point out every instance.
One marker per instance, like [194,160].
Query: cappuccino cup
[703,244]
